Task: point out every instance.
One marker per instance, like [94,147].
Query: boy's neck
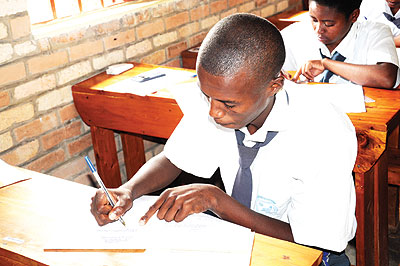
[260,120]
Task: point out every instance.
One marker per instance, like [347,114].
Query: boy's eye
[229,106]
[329,24]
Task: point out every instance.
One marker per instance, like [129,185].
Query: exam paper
[198,234]
[134,85]
[348,98]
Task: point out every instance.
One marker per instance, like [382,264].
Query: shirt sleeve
[381,44]
[289,36]
[322,209]
[194,145]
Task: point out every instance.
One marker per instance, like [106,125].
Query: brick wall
[39,126]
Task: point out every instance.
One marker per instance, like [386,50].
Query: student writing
[285,159]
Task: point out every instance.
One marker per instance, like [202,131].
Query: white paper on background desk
[133,86]
[10,174]
[197,235]
[349,98]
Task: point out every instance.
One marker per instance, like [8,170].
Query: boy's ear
[277,83]
[354,15]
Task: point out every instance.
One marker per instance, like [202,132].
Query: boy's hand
[102,210]
[175,204]
[310,70]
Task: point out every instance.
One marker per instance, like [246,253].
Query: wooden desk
[28,210]
[157,115]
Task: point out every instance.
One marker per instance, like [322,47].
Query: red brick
[70,169]
[176,49]
[143,16]
[260,2]
[218,6]
[4,98]
[79,145]
[164,9]
[20,27]
[174,63]
[106,27]
[119,39]
[22,153]
[11,73]
[56,137]
[228,12]
[155,58]
[86,49]
[68,112]
[199,12]
[176,20]
[66,39]
[45,62]
[48,161]
[150,29]
[197,39]
[36,127]
[235,2]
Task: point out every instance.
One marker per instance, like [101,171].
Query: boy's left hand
[175,204]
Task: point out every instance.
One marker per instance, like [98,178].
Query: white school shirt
[302,177]
[366,43]
[372,10]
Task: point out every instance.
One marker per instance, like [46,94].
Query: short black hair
[345,7]
[243,40]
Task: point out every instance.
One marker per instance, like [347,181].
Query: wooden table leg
[105,152]
[372,216]
[133,153]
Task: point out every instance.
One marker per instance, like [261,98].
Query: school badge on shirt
[266,206]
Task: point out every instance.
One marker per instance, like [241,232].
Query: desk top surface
[28,209]
[382,114]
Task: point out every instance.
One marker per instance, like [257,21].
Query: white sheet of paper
[349,98]
[10,174]
[197,234]
[134,86]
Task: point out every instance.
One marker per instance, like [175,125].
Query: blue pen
[152,77]
[96,175]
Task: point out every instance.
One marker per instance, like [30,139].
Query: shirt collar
[276,120]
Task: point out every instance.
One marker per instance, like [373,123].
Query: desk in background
[157,115]
[28,210]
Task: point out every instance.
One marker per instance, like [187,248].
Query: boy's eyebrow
[222,101]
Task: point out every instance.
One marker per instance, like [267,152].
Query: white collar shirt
[305,170]
[366,43]
[372,10]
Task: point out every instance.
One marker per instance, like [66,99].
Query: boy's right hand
[102,210]
[309,70]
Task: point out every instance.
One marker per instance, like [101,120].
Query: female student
[334,47]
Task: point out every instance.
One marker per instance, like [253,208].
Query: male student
[297,184]
[334,47]
[383,11]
